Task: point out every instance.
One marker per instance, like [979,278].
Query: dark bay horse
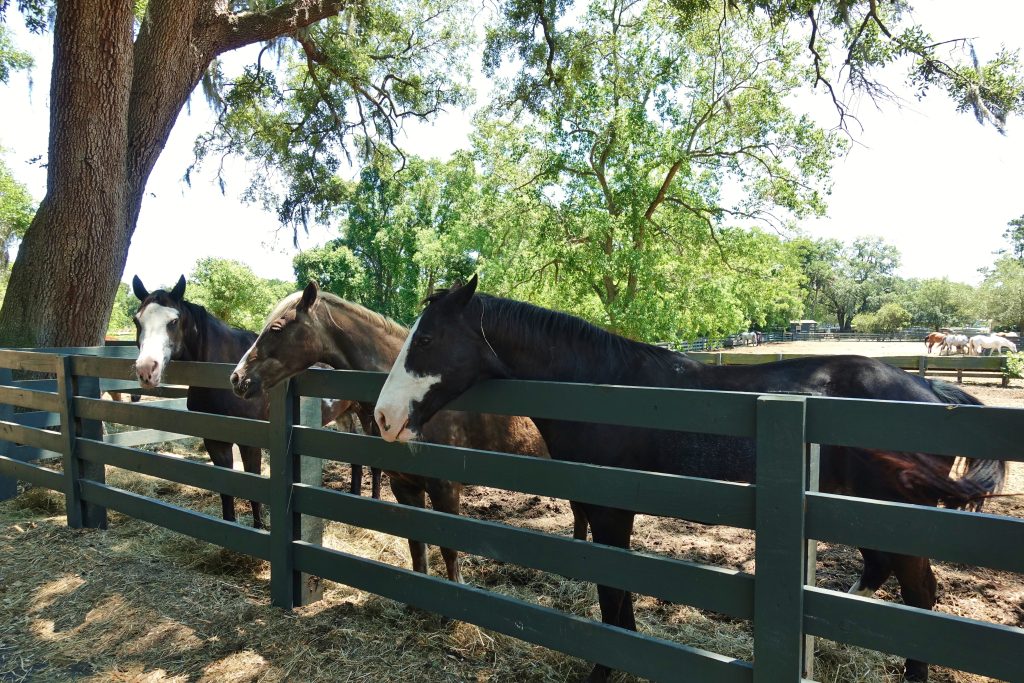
[313,326]
[169,328]
[462,339]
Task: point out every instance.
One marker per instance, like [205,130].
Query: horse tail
[982,478]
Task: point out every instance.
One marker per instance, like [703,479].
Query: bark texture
[112,107]
[59,292]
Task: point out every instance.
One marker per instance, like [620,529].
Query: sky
[926,178]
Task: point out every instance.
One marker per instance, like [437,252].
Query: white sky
[926,178]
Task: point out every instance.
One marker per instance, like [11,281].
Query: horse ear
[309,295]
[178,292]
[460,296]
[139,289]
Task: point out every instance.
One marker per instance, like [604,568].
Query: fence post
[8,485]
[311,471]
[780,554]
[80,514]
[811,571]
[285,583]
[922,365]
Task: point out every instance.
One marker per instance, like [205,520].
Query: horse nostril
[234,379]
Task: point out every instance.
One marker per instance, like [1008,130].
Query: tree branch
[238,30]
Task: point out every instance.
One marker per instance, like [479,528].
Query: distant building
[803,325]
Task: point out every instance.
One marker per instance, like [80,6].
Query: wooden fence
[782,603]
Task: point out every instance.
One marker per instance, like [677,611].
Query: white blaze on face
[154,343]
[400,391]
[240,367]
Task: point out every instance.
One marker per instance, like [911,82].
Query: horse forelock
[283,306]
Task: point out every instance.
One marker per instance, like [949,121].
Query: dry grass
[138,603]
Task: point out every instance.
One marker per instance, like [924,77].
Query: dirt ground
[137,603]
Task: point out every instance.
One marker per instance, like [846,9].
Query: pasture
[137,603]
[861,348]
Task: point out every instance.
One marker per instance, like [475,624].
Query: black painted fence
[781,506]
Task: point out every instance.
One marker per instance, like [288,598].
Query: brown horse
[934,339]
[170,328]
[312,326]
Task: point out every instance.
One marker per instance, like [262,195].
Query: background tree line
[402,238]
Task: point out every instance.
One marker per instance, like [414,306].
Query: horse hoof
[917,672]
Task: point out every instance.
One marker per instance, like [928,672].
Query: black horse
[462,339]
[169,328]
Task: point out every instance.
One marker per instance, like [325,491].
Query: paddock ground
[140,604]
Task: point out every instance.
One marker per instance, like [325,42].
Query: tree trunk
[112,108]
[71,259]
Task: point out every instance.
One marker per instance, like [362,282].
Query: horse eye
[173,323]
[424,340]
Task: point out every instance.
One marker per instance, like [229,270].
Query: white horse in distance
[955,343]
[980,342]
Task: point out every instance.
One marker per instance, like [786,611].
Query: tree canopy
[16,210]
[232,292]
[639,164]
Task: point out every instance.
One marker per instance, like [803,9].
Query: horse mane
[373,317]
[529,324]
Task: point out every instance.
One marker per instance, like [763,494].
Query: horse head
[287,345]
[445,353]
[161,323]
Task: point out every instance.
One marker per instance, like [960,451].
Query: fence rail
[783,508]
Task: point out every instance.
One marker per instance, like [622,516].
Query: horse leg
[918,588]
[877,568]
[220,454]
[252,462]
[375,483]
[356,485]
[611,527]
[445,497]
[413,496]
[579,521]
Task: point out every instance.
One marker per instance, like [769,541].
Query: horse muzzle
[148,371]
[392,430]
[244,387]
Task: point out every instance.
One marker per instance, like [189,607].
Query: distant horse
[934,339]
[980,342]
[313,326]
[955,343]
[169,328]
[462,339]
[748,338]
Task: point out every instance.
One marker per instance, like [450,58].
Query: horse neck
[355,338]
[535,344]
[213,340]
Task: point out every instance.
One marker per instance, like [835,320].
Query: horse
[934,339]
[313,326]
[169,328]
[461,339]
[748,338]
[955,343]
[980,342]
